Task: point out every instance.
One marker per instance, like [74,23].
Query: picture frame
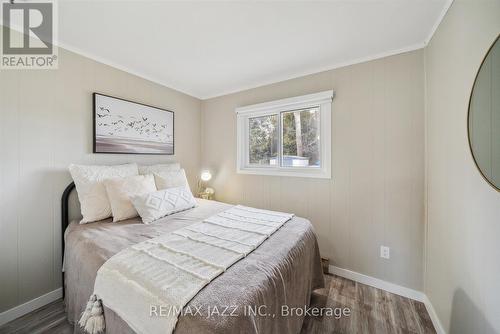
[122,126]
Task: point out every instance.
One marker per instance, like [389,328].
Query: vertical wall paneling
[463,211]
[376,193]
[46,124]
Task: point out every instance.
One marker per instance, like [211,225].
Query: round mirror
[484,117]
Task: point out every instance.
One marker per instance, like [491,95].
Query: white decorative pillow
[171,179]
[144,170]
[94,201]
[120,190]
[162,203]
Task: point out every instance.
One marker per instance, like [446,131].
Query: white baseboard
[29,306]
[393,288]
[432,313]
[36,303]
[378,283]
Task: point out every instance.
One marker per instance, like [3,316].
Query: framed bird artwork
[126,127]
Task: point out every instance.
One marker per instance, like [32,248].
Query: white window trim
[323,100]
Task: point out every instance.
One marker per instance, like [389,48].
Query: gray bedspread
[277,276]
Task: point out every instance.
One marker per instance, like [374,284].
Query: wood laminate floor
[371,311]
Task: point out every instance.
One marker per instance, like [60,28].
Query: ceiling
[208,49]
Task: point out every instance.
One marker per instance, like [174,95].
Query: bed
[247,298]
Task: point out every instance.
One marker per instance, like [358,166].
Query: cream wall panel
[463,211]
[339,219]
[36,131]
[46,124]
[9,191]
[377,127]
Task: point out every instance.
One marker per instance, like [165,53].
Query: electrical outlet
[385,252]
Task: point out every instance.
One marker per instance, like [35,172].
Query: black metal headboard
[65,220]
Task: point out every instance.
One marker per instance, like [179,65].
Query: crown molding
[316,70]
[438,21]
[259,83]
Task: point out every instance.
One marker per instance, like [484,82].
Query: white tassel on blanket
[86,314]
[92,319]
[171,269]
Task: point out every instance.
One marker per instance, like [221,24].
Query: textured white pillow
[143,170]
[171,179]
[120,190]
[162,203]
[94,201]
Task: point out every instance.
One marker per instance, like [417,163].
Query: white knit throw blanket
[166,272]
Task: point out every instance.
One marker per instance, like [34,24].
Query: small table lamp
[206,176]
[205,193]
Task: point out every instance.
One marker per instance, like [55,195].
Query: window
[290,137]
[263,140]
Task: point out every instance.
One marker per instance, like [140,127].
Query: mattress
[255,295]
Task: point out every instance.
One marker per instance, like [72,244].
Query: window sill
[293,172]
